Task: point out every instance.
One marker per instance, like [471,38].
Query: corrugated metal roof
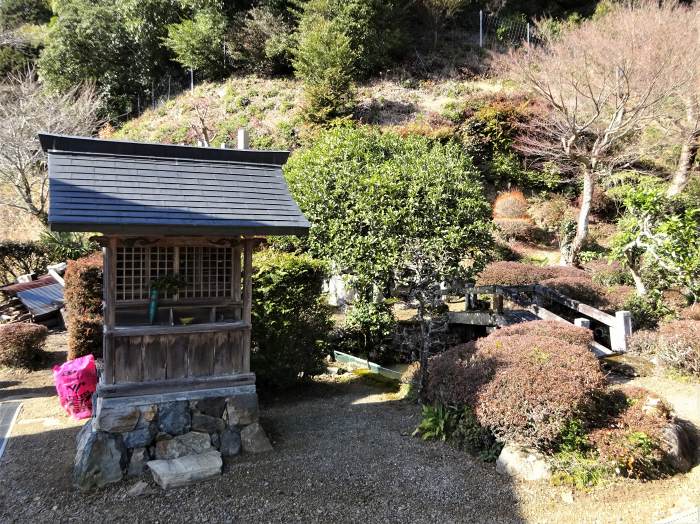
[42,300]
[125,187]
[13,289]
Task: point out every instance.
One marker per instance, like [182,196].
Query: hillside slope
[271,110]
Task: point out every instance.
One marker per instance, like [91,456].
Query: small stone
[187,444]
[567,497]
[215,440]
[149,413]
[139,489]
[206,423]
[214,407]
[137,463]
[230,443]
[186,470]
[522,463]
[174,417]
[98,460]
[254,439]
[242,410]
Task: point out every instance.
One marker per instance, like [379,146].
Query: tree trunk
[689,149]
[569,255]
[638,284]
[689,153]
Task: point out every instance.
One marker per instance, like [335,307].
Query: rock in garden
[215,440]
[98,459]
[254,439]
[242,410]
[214,407]
[677,444]
[174,418]
[206,423]
[117,419]
[140,437]
[230,442]
[139,489]
[186,470]
[187,444]
[523,464]
[137,463]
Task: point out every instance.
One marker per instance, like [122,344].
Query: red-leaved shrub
[510,204]
[516,229]
[539,383]
[581,289]
[83,298]
[564,331]
[518,274]
[678,345]
[630,429]
[690,312]
[455,375]
[21,345]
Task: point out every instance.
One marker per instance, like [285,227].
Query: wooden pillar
[109,287]
[621,331]
[236,281]
[247,300]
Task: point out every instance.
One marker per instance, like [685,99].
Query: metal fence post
[191,80]
[528,33]
[481,28]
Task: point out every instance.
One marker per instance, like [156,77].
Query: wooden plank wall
[167,357]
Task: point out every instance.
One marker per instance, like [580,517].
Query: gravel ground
[343,453]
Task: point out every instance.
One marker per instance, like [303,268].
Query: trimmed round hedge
[21,345]
[564,331]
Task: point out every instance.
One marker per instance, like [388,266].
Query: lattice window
[207,271]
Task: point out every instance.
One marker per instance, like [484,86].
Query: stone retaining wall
[131,435]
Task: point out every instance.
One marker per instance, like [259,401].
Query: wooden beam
[109,287]
[184,384]
[147,330]
[247,300]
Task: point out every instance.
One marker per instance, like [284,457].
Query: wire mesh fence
[503,32]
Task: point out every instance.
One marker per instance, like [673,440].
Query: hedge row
[83,299]
[21,345]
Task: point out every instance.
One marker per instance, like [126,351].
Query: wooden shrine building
[182,219]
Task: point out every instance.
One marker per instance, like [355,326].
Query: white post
[528,33]
[620,331]
[582,322]
[243,140]
[481,28]
[191,80]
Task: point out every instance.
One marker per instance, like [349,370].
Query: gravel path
[343,453]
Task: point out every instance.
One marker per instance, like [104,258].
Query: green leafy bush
[290,320]
[21,258]
[371,324]
[264,41]
[646,310]
[198,43]
[68,246]
[564,331]
[21,345]
[15,13]
[608,272]
[369,195]
[83,299]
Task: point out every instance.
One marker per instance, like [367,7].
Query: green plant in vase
[167,284]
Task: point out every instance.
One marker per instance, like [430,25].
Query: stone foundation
[179,437]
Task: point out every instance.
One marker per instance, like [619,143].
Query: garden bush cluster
[21,344]
[290,319]
[675,344]
[568,333]
[83,299]
[519,274]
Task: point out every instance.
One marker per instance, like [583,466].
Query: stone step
[186,470]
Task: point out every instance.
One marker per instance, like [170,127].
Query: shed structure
[187,214]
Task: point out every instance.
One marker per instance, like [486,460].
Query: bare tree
[687,129]
[26,109]
[603,82]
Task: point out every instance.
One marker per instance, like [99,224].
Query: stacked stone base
[179,438]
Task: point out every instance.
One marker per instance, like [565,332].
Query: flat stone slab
[186,470]
[188,444]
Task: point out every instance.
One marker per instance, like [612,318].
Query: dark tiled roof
[131,188]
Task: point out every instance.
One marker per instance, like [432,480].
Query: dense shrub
[510,204]
[646,310]
[370,325]
[518,274]
[264,41]
[617,298]
[15,13]
[582,289]
[516,229]
[629,436]
[83,303]
[454,376]
[21,258]
[290,320]
[539,384]
[678,345]
[21,345]
[574,335]
[690,312]
[198,43]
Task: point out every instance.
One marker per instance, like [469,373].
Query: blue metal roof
[42,300]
